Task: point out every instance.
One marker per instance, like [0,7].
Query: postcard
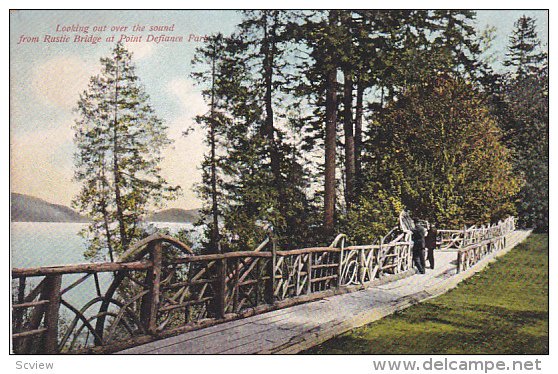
[280,181]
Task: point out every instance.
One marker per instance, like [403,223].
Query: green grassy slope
[502,310]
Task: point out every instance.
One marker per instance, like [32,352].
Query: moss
[502,310]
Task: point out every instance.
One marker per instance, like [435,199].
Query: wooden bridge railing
[456,239]
[478,242]
[160,288]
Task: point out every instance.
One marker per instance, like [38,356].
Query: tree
[262,29]
[524,53]
[443,149]
[456,41]
[209,59]
[262,49]
[371,34]
[119,141]
[261,178]
[330,72]
[316,94]
[523,111]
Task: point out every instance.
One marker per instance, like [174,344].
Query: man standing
[430,242]
[418,234]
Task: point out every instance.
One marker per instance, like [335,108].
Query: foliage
[209,71]
[445,154]
[375,213]
[262,179]
[119,141]
[523,108]
[417,133]
[434,149]
[524,53]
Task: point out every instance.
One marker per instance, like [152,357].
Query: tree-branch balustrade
[160,288]
[470,255]
[456,239]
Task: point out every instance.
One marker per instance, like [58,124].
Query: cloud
[181,164]
[141,50]
[188,95]
[60,80]
[41,164]
[41,159]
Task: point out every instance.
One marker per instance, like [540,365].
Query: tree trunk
[116,169]
[330,138]
[215,236]
[269,51]
[104,211]
[349,139]
[358,134]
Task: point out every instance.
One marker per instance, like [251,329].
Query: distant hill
[175,215]
[25,208]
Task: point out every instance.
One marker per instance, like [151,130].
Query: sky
[47,78]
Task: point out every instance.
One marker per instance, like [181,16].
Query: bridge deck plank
[302,326]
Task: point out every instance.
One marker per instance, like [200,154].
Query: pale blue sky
[46,79]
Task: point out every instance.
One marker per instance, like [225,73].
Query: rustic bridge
[161,298]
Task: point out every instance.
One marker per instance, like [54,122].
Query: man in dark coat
[418,235]
[430,242]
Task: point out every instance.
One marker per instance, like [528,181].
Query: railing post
[381,259]
[309,278]
[343,243]
[269,295]
[458,261]
[52,294]
[362,265]
[18,313]
[259,278]
[150,302]
[339,265]
[221,288]
[236,286]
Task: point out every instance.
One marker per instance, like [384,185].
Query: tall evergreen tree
[371,34]
[456,41]
[523,111]
[261,176]
[349,68]
[263,51]
[524,49]
[328,58]
[209,60]
[119,141]
[315,92]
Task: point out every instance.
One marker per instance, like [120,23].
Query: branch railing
[160,288]
[480,241]
[456,239]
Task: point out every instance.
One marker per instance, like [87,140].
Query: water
[35,244]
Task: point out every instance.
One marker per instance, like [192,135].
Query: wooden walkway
[300,327]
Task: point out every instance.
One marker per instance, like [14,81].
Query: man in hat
[430,242]
[418,235]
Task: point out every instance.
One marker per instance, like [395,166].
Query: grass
[502,310]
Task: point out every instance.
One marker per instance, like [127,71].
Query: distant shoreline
[26,208]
